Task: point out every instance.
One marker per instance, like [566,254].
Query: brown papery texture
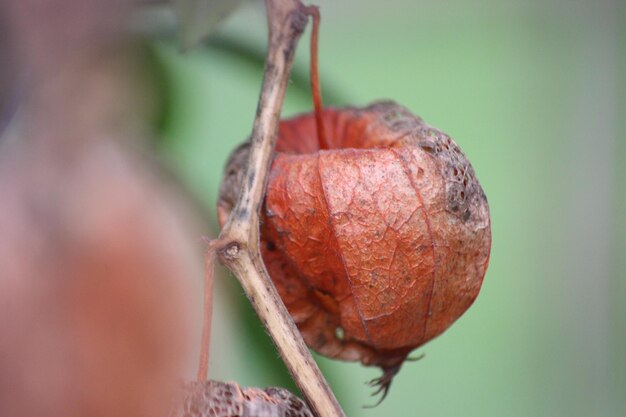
[227,399]
[378,244]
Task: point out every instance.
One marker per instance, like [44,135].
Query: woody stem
[240,251]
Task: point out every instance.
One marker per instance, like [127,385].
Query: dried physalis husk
[376,244]
[97,267]
[227,399]
[97,259]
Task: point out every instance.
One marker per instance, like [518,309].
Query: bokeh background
[534,93]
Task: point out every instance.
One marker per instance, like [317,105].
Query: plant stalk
[239,247]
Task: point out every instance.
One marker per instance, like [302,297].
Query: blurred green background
[535,94]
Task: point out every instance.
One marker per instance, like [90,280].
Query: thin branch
[315,79]
[209,271]
[239,239]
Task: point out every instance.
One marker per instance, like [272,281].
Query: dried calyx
[377,244]
[216,399]
[374,230]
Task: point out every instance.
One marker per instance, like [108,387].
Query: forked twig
[237,248]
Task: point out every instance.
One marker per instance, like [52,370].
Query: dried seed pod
[96,258]
[97,268]
[376,244]
[227,399]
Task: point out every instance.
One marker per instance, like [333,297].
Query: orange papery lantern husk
[376,244]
